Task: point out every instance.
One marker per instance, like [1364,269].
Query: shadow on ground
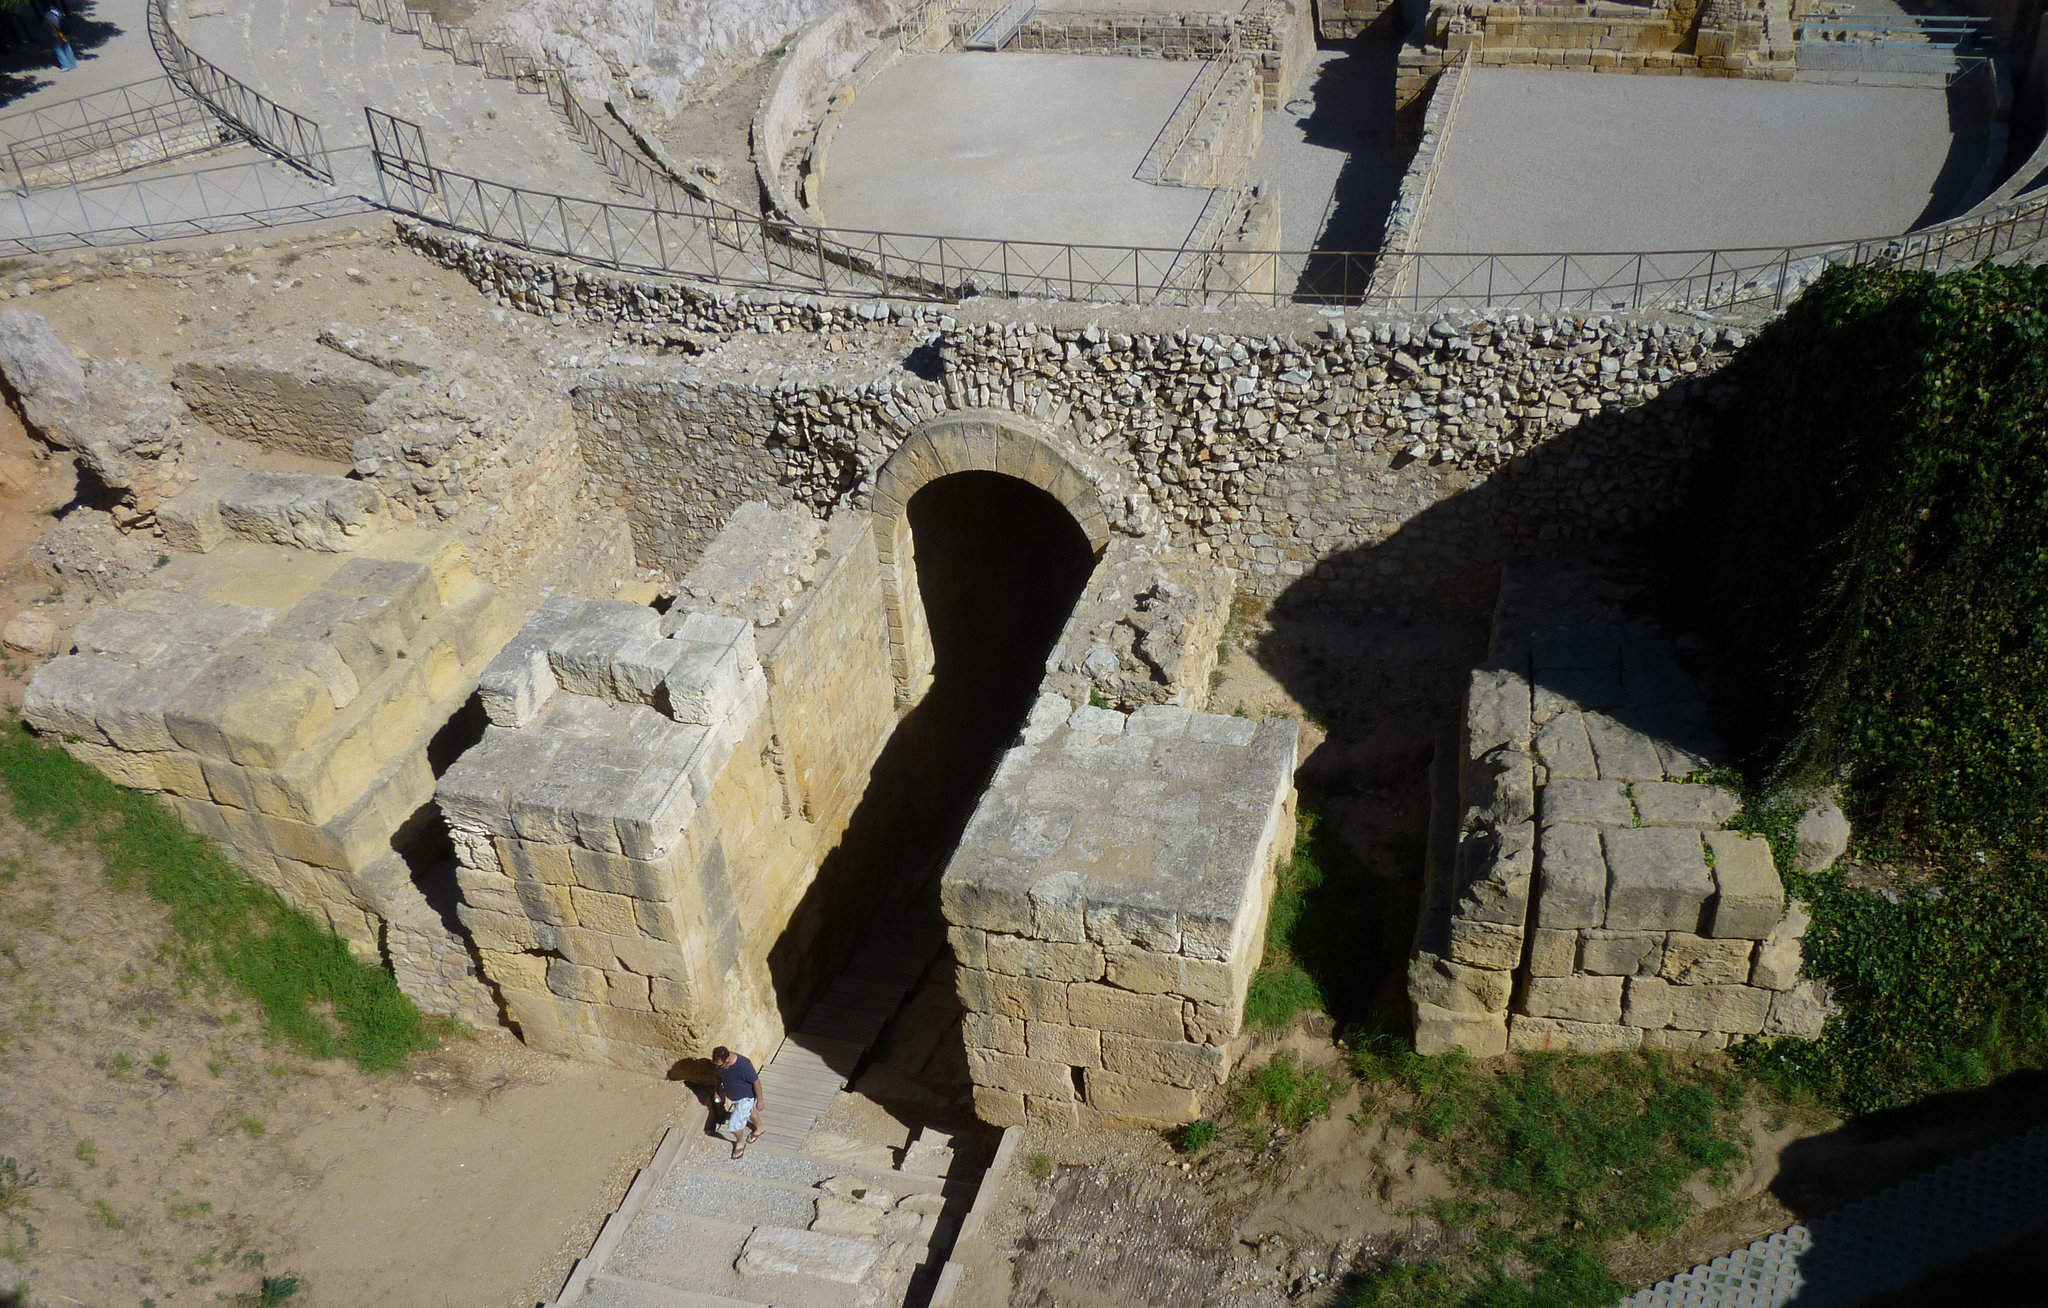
[27,55]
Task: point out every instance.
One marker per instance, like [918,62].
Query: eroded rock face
[1145,630]
[43,374]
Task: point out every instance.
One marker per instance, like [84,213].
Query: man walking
[53,18]
[739,1096]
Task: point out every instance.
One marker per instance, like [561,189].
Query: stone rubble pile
[1145,631]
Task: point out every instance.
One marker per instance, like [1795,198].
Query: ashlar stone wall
[1584,890]
[1107,907]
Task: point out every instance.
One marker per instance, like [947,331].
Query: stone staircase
[808,1218]
[326,62]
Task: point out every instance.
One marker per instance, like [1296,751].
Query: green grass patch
[312,992]
[1285,1091]
[1557,1157]
[1334,933]
[1196,1136]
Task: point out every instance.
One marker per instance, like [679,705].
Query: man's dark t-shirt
[737,1081]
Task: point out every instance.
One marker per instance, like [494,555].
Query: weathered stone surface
[1496,712]
[1574,998]
[1500,788]
[1052,961]
[1749,898]
[1495,866]
[1685,1042]
[1455,987]
[1538,1033]
[302,510]
[516,683]
[1169,1062]
[1657,879]
[1552,952]
[1026,1076]
[1565,750]
[779,1250]
[1486,944]
[1678,804]
[1140,1101]
[1440,1030]
[1778,958]
[1068,1046]
[1104,1009]
[1622,752]
[1801,1011]
[40,371]
[1823,834]
[1691,960]
[1571,878]
[1621,953]
[1587,803]
[1653,1002]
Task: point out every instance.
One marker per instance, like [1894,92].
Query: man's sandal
[739,1148]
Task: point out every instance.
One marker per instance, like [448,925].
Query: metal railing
[107,133]
[293,136]
[495,58]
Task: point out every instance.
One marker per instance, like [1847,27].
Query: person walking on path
[739,1096]
[53,18]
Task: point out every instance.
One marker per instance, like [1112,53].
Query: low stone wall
[1592,897]
[1224,136]
[1346,20]
[1394,270]
[1107,907]
[285,701]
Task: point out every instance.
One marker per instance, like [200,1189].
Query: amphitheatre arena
[859,531]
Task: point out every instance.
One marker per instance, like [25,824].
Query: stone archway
[970,441]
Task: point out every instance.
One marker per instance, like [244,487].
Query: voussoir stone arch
[972,441]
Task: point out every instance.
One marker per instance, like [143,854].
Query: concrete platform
[1038,147]
[1542,161]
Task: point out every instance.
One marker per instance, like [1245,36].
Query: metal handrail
[292,136]
[153,119]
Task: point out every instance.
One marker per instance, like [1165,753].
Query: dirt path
[180,1156]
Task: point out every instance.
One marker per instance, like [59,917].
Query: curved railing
[677,233]
[266,123]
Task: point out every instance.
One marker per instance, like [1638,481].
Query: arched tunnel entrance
[999,564]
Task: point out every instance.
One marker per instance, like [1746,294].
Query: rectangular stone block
[612,914]
[1050,961]
[1457,988]
[998,1107]
[994,1032]
[1149,972]
[573,981]
[1063,1113]
[515,684]
[1211,1024]
[1778,958]
[627,990]
[581,660]
[502,931]
[1072,1046]
[1749,898]
[970,946]
[1027,998]
[1685,1042]
[1678,804]
[515,971]
[1440,1030]
[1621,953]
[1170,1062]
[1026,1076]
[1150,1103]
[1564,750]
[1496,711]
[672,995]
[1622,752]
[1486,944]
[1691,960]
[525,860]
[1529,1034]
[703,683]
[1552,953]
[1652,1002]
[1657,879]
[1585,803]
[1495,869]
[1134,925]
[1104,1009]
[1571,878]
[1574,998]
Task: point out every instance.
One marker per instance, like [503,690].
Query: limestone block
[1823,834]
[1571,879]
[780,1251]
[1653,1002]
[1145,926]
[1685,1042]
[1749,898]
[1026,998]
[250,710]
[1160,721]
[1496,711]
[1216,729]
[1486,944]
[1495,868]
[136,771]
[1621,953]
[1538,1033]
[1027,1076]
[1104,1009]
[41,372]
[1587,803]
[1677,804]
[515,971]
[573,981]
[1779,957]
[581,660]
[1657,879]
[620,616]
[1564,749]
[671,995]
[1455,987]
[1574,998]
[1440,1030]
[1048,715]
[724,631]
[543,808]
[523,860]
[179,773]
[1622,753]
[133,718]
[1096,721]
[1057,910]
[987,891]
[970,946]
[1552,953]
[1071,1046]
[1148,972]
[303,510]
[1140,1101]
[67,696]
[998,1107]
[639,666]
[1691,960]
[703,684]
[1801,1011]
[1500,788]
[1170,1062]
[515,684]
[627,990]
[602,912]
[1211,1024]
[1062,1112]
[1052,961]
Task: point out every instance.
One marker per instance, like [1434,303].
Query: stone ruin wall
[1583,888]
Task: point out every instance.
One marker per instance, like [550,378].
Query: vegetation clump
[311,990]
[1333,934]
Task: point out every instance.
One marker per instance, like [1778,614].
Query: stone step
[683,1251]
[608,1291]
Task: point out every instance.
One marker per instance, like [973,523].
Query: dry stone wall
[1584,890]
[1107,907]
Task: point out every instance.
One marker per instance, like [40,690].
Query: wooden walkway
[820,1056]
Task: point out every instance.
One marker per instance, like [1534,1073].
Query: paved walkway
[808,1217]
[1880,1244]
